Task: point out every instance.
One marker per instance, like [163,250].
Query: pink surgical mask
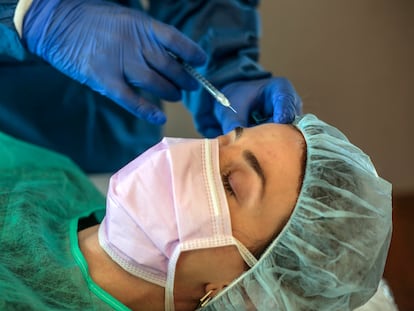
[169,200]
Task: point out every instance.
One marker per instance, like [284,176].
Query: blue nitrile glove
[112,49]
[258,101]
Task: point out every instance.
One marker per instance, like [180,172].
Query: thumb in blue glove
[112,49]
[258,101]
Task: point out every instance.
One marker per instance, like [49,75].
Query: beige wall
[352,63]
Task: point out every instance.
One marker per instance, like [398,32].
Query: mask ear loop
[169,286]
[247,256]
[205,299]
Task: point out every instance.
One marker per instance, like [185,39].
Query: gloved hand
[258,101]
[112,49]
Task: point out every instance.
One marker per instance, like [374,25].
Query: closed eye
[226,183]
[251,159]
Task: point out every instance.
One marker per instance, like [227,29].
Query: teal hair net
[331,253]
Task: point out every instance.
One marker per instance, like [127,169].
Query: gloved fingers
[285,109]
[153,82]
[172,70]
[232,124]
[286,102]
[127,98]
[258,101]
[229,119]
[179,44]
[212,132]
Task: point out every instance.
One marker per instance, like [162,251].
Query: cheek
[278,207]
[241,230]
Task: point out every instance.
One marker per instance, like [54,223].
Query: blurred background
[352,62]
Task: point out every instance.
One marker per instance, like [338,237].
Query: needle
[205,83]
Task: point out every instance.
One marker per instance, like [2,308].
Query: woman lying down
[274,217]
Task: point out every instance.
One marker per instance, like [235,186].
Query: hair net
[332,251]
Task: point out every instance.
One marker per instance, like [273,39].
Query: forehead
[282,153]
[287,149]
[285,160]
[283,143]
[281,131]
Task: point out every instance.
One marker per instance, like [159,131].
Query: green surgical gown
[42,197]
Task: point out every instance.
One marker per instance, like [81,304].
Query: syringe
[219,96]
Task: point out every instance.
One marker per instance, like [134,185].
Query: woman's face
[262,170]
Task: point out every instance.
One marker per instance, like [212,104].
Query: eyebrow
[252,160]
[255,165]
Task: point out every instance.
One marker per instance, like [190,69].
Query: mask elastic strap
[169,286]
[247,256]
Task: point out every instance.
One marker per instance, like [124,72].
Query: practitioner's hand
[258,101]
[112,49]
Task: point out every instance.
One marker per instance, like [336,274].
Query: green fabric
[42,196]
